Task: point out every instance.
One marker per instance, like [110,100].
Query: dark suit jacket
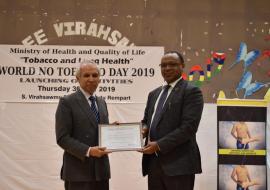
[77,129]
[176,130]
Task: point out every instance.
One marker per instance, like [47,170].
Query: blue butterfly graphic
[242,55]
[250,88]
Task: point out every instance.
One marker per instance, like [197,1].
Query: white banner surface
[45,73]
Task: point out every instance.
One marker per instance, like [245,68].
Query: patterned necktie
[153,133]
[94,108]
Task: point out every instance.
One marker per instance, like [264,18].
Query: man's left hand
[116,123]
[150,148]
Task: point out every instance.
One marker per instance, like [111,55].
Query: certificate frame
[121,137]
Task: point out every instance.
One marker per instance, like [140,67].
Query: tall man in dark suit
[85,165]
[171,156]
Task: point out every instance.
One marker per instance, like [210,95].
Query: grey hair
[83,63]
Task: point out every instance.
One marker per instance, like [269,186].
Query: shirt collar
[173,83]
[86,94]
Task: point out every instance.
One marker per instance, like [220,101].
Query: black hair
[181,59]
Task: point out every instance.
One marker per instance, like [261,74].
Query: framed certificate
[122,137]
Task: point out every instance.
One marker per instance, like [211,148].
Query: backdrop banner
[46,73]
[242,144]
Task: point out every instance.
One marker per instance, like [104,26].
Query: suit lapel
[84,105]
[100,110]
[176,91]
[179,86]
[155,97]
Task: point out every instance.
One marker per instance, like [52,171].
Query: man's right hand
[98,151]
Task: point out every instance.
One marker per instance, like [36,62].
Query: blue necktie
[94,108]
[153,133]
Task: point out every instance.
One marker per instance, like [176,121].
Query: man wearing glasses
[171,156]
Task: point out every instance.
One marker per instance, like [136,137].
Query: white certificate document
[122,137]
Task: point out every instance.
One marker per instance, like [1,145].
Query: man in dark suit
[85,165]
[171,156]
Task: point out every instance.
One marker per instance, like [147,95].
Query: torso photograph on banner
[242,144]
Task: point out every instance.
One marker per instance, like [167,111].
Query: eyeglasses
[168,65]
